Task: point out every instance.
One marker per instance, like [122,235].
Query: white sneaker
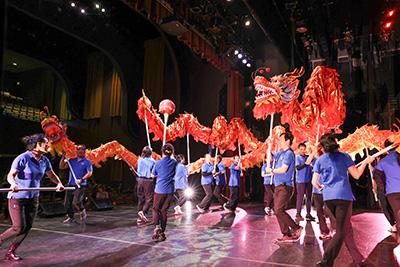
[83,215]
[69,220]
[199,209]
[178,210]
[392,229]
[267,211]
[142,216]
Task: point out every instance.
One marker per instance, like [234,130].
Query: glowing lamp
[188,192]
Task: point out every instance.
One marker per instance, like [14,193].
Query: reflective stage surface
[245,238]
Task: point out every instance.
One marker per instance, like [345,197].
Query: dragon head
[271,94]
[55,132]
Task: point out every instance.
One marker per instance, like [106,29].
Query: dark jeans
[394,200]
[340,211]
[269,195]
[282,195]
[218,193]
[74,199]
[385,206]
[319,206]
[182,197]
[304,188]
[22,212]
[206,202]
[160,209]
[233,201]
[145,191]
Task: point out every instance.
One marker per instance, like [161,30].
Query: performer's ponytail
[167,149]
[179,158]
[31,140]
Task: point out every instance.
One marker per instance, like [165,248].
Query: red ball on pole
[166,107]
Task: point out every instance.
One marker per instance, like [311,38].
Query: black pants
[269,195]
[218,193]
[74,199]
[233,201]
[319,206]
[206,202]
[341,210]
[282,195]
[304,188]
[394,200]
[160,209]
[182,197]
[385,206]
[22,212]
[145,191]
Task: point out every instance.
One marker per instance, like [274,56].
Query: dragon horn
[295,74]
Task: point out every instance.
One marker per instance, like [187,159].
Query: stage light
[236,52]
[247,23]
[73,4]
[244,61]
[83,11]
[18,83]
[240,55]
[248,65]
[103,10]
[97,6]
[387,25]
[188,192]
[391,13]
[15,64]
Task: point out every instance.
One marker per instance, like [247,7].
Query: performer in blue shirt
[27,170]
[303,182]
[164,172]
[81,169]
[268,189]
[220,182]
[145,187]
[319,204]
[389,167]
[332,169]
[207,172]
[283,180]
[181,184]
[234,182]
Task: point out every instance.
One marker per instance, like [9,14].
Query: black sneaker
[298,217]
[309,217]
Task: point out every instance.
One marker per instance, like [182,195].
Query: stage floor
[246,238]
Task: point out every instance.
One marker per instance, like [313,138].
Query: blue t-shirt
[180,177]
[164,169]
[391,168]
[209,178]
[30,173]
[145,166]
[267,179]
[80,169]
[332,168]
[286,157]
[220,179]
[235,175]
[305,174]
